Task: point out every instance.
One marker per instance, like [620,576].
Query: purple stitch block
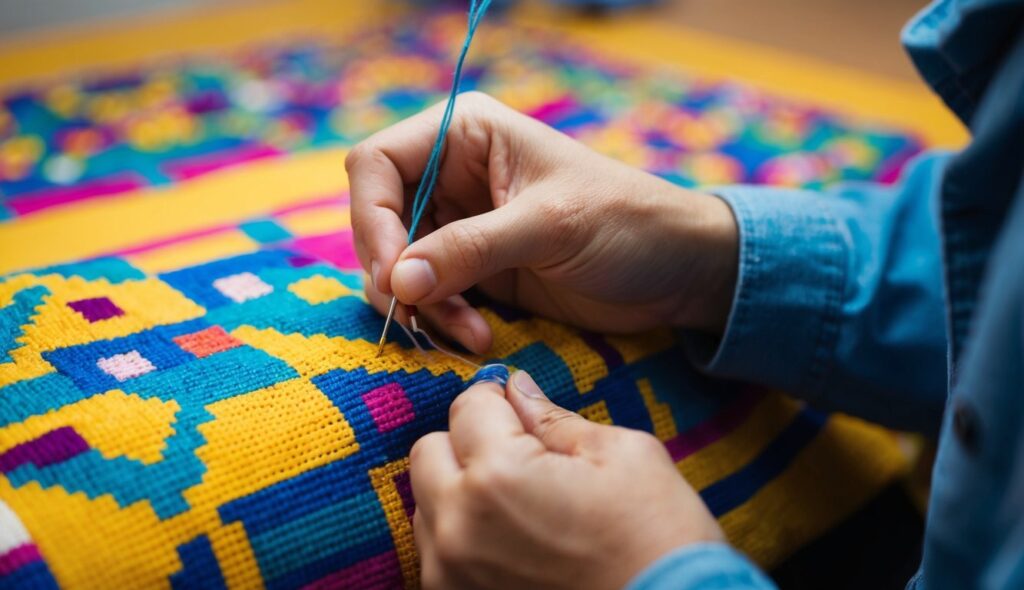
[403,483]
[612,358]
[302,260]
[389,406]
[380,572]
[53,447]
[96,308]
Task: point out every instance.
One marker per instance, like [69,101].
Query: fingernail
[375,274]
[490,374]
[522,381]
[416,277]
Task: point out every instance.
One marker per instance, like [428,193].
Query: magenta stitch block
[389,406]
[379,572]
[96,308]
[28,203]
[18,557]
[336,248]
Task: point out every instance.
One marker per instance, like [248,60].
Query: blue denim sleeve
[705,566]
[839,298]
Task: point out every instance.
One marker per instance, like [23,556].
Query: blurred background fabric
[863,34]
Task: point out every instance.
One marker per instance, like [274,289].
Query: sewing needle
[387,324]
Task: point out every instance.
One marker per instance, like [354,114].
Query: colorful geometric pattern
[205,407]
[93,137]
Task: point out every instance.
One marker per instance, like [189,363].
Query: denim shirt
[903,305]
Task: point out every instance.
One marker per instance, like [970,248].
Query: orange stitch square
[206,342]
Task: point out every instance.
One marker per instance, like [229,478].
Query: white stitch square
[125,366]
[242,287]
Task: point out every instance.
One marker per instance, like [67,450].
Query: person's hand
[521,493]
[539,221]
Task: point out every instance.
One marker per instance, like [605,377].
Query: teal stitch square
[265,231]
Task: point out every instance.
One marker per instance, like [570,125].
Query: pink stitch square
[125,366]
[389,406]
[242,287]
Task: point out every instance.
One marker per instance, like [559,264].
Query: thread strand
[425,190]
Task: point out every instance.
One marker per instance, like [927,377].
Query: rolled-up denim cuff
[702,566]
[785,314]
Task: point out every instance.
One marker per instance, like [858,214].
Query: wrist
[710,248]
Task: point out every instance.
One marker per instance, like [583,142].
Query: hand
[524,494]
[539,221]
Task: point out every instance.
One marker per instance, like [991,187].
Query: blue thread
[477,8]
[490,374]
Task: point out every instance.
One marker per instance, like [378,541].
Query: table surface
[862,34]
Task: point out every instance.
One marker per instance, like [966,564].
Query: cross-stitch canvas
[190,396]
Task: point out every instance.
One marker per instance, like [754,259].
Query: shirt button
[966,427]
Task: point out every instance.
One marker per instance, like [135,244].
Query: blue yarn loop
[428,181]
[493,373]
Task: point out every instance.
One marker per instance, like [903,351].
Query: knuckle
[553,419]
[644,443]
[478,98]
[361,226]
[420,446]
[368,152]
[466,244]
[458,405]
[484,479]
[355,155]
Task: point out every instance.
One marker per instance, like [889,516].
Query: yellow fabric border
[98,226]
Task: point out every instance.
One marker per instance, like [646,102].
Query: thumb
[461,254]
[560,430]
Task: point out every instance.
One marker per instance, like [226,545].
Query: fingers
[431,575]
[380,169]
[459,321]
[432,469]
[482,423]
[465,252]
[454,317]
[560,430]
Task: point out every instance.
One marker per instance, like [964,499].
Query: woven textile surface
[188,390]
